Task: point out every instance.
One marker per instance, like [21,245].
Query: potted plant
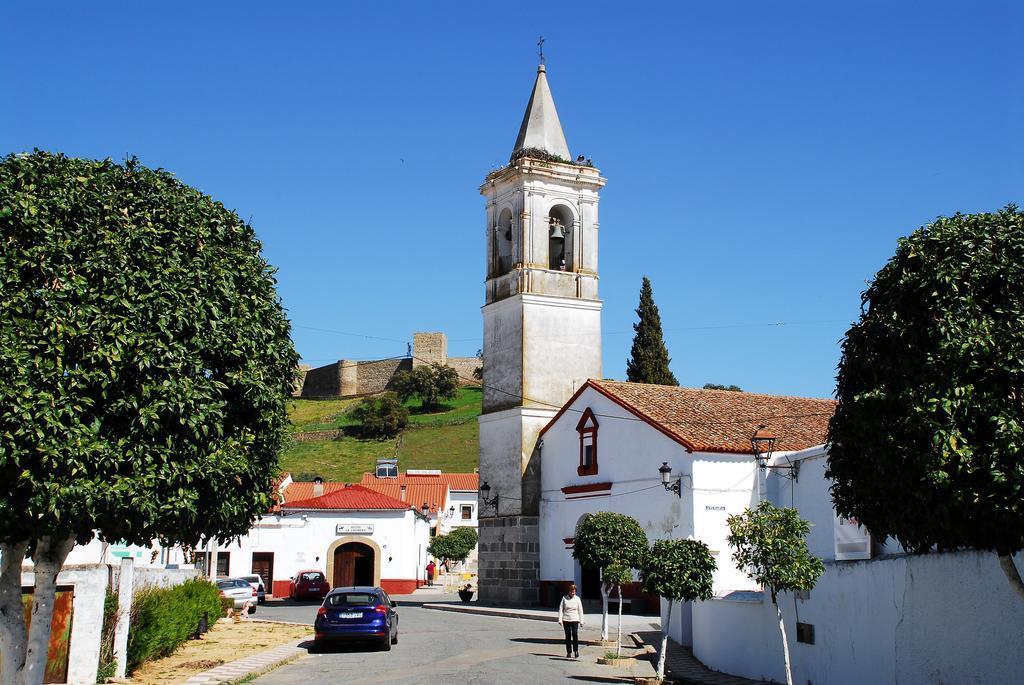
[466,593]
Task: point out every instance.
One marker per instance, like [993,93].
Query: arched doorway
[353,565]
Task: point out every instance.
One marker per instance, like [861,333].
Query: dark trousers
[572,636]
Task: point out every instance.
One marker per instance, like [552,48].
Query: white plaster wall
[90,583]
[562,347]
[501,459]
[503,355]
[297,544]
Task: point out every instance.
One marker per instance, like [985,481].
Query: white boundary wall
[938,618]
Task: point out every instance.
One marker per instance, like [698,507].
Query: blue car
[357,613]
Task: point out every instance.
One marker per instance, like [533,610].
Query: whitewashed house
[603,450]
[355,535]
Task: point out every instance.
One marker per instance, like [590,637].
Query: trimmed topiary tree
[678,571]
[617,575]
[606,538]
[927,442]
[770,548]
[145,364]
[455,546]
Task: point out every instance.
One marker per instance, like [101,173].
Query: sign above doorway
[359,528]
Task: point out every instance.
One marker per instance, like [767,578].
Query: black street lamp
[666,480]
[763,444]
[485,490]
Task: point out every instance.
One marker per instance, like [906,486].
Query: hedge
[163,618]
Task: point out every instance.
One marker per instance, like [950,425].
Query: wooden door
[263,565]
[353,565]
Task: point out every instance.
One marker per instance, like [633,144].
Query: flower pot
[465,595]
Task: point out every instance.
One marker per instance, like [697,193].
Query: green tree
[606,538]
[455,546]
[717,386]
[431,383]
[771,549]
[382,416]
[927,442]
[145,362]
[648,359]
[678,571]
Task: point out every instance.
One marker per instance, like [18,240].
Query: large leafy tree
[771,548]
[382,416]
[604,539]
[145,360]
[432,383]
[927,442]
[678,571]
[648,359]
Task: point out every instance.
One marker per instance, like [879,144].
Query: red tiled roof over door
[352,497]
[723,420]
[304,490]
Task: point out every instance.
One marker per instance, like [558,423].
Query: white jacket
[571,609]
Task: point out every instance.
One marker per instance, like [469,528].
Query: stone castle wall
[346,378]
[465,366]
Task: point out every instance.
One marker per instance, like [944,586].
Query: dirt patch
[224,643]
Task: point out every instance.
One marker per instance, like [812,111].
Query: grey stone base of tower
[509,560]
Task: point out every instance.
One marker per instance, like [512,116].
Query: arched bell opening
[503,243]
[560,239]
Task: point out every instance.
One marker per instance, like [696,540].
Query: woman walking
[570,617]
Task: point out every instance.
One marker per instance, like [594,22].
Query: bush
[381,417]
[164,618]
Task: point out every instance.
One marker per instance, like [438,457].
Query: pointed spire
[541,128]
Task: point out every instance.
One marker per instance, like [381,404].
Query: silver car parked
[240,591]
[256,581]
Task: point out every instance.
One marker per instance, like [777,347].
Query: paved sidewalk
[249,666]
[682,667]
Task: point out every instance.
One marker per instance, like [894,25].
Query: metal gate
[60,631]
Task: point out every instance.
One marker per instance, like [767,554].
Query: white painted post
[212,571]
[125,583]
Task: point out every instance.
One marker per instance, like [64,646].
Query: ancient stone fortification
[346,378]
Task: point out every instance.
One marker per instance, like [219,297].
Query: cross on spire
[540,44]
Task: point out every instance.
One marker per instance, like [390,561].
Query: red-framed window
[587,428]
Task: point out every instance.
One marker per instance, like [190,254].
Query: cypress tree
[649,360]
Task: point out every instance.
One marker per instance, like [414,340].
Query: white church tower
[542,333]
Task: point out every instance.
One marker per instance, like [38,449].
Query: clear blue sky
[762,158]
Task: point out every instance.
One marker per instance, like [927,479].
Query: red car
[309,584]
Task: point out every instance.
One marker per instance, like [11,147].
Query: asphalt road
[439,647]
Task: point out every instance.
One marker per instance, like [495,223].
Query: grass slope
[446,440]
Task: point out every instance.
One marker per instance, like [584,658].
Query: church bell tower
[542,333]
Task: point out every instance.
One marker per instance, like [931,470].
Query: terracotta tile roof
[354,497]
[721,420]
[420,488]
[300,491]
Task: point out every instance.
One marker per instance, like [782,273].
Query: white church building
[557,443]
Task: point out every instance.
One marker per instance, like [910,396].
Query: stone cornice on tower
[570,174]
